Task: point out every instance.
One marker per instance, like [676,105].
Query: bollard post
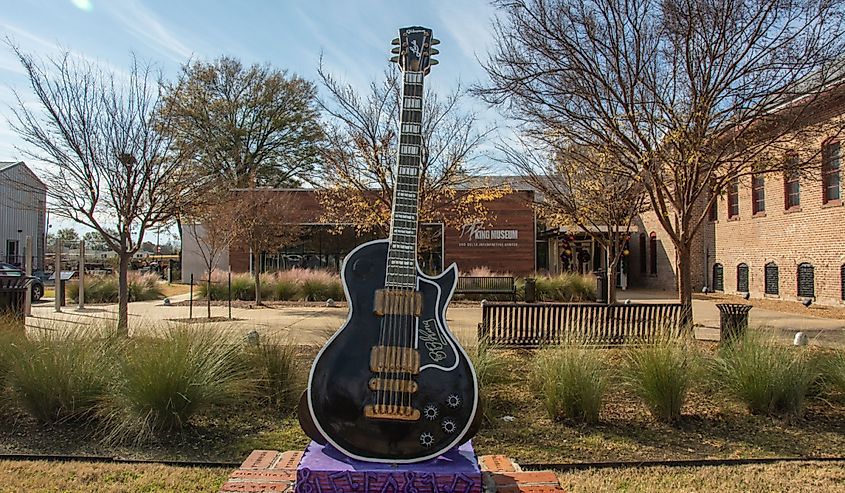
[58,275]
[81,296]
[230,293]
[27,308]
[191,299]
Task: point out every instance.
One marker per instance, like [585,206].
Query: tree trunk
[684,262]
[208,293]
[257,273]
[123,294]
[611,282]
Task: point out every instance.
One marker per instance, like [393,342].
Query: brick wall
[813,233]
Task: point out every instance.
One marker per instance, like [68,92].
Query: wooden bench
[532,325]
[487,285]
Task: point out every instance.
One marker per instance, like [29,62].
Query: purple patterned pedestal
[325,470]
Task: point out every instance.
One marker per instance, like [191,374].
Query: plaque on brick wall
[742,278]
[718,278]
[806,281]
[772,278]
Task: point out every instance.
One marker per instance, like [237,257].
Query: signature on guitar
[433,340]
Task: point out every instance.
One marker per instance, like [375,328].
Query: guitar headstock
[414,49]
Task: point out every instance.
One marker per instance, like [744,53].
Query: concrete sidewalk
[706,315]
[313,324]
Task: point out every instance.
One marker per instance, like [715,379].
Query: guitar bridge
[394,359]
[397,302]
[393,385]
[391,412]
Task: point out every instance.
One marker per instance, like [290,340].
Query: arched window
[806,281]
[772,278]
[653,252]
[742,278]
[718,278]
[842,281]
[642,254]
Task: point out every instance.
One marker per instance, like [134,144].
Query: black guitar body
[339,389]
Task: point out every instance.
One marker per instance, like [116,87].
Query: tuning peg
[395,41]
[434,51]
[396,50]
[394,59]
[435,42]
[433,62]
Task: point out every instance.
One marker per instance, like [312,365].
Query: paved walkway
[313,324]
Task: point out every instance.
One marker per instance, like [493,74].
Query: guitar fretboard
[401,257]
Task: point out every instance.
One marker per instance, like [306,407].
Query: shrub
[571,382]
[104,289]
[61,377]
[768,377]
[276,373]
[162,382]
[661,375]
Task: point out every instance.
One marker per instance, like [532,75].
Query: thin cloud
[142,23]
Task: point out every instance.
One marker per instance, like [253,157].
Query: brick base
[266,471]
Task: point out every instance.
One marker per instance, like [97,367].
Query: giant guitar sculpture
[393,384]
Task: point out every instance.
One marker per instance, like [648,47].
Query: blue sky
[353,36]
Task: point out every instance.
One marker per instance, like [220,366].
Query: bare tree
[109,164]
[695,93]
[582,186]
[265,223]
[214,224]
[359,158]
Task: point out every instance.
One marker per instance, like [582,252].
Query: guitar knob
[453,401]
[448,425]
[430,412]
[426,439]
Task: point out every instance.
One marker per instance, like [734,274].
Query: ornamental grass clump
[319,285]
[768,377]
[661,375]
[833,375]
[567,286]
[276,374]
[60,376]
[489,368]
[162,382]
[104,289]
[571,382]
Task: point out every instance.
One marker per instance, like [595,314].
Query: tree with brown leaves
[359,159]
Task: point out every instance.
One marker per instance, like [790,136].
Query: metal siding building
[23,210]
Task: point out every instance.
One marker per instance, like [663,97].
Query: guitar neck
[401,258]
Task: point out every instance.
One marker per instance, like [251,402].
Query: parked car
[9,270]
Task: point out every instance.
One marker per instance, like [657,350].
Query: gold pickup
[397,302]
[393,384]
[394,359]
[392,412]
